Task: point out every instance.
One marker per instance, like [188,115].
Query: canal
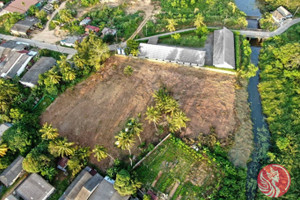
[260,127]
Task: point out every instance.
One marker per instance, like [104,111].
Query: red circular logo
[274,180]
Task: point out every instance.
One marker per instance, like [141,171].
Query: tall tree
[126,184]
[171,25]
[125,141]
[48,132]
[135,127]
[61,147]
[3,149]
[153,115]
[199,20]
[100,152]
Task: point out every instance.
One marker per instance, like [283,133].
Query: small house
[108,31]
[281,14]
[72,191]
[106,190]
[70,41]
[30,79]
[90,28]
[22,28]
[223,53]
[85,21]
[35,188]
[19,6]
[13,63]
[12,172]
[62,164]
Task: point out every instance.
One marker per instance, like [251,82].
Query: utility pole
[296,11]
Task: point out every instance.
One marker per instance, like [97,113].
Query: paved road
[247,33]
[40,45]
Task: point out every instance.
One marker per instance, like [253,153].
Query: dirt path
[174,189]
[47,35]
[148,8]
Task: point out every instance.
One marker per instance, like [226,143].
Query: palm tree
[171,25]
[177,121]
[134,127]
[3,149]
[153,115]
[199,21]
[61,148]
[54,77]
[125,142]
[100,152]
[171,106]
[48,132]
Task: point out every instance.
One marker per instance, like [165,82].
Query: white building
[223,54]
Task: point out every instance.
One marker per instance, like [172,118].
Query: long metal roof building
[172,54]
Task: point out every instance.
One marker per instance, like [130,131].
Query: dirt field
[94,111]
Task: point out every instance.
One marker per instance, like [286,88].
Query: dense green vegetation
[195,38]
[8,20]
[271,5]
[182,14]
[180,163]
[115,18]
[279,88]
[42,146]
[242,57]
[267,22]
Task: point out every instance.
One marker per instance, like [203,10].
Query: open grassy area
[178,169]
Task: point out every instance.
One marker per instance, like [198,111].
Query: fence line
[149,153]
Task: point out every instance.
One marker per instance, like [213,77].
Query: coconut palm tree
[100,152]
[48,132]
[171,25]
[153,115]
[171,106]
[3,149]
[177,121]
[125,142]
[134,127]
[61,148]
[199,21]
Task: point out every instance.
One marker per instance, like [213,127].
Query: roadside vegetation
[8,20]
[181,14]
[279,89]
[109,17]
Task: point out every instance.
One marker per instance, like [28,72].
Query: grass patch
[177,162]
[60,187]
[188,39]
[43,103]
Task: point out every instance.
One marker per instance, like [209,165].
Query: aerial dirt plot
[94,111]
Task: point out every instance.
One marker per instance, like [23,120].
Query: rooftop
[35,188]
[41,66]
[12,172]
[172,53]
[75,187]
[20,6]
[24,25]
[224,55]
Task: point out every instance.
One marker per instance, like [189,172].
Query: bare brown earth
[94,111]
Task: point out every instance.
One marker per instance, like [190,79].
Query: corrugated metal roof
[224,55]
[172,54]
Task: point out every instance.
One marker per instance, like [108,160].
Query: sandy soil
[94,111]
